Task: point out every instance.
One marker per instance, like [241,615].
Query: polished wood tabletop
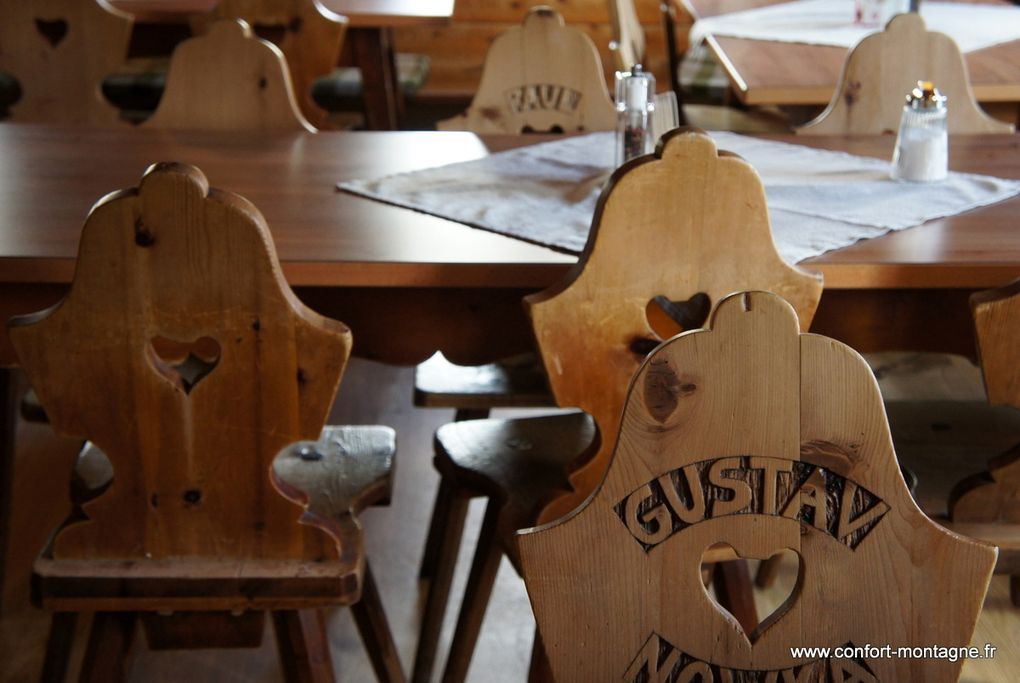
[772,72]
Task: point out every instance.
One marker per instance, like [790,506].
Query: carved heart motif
[668,318]
[184,364]
[729,585]
[53,30]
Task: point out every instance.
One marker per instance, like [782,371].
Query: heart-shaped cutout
[668,318]
[184,364]
[729,586]
[53,30]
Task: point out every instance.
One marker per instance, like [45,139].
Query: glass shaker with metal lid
[922,145]
[635,102]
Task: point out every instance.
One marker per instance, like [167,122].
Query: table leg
[8,423]
[372,48]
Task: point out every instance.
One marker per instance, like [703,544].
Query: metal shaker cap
[926,97]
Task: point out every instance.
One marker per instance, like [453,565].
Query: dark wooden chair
[667,246]
[59,51]
[762,439]
[185,359]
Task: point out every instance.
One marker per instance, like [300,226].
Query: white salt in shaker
[635,102]
[922,146]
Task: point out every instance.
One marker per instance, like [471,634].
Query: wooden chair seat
[518,382]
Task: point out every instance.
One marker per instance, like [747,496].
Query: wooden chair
[793,426]
[228,79]
[183,356]
[541,76]
[60,51]
[309,36]
[667,247]
[884,67]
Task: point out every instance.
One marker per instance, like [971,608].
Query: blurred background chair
[188,384]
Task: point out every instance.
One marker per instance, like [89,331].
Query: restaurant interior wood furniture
[884,67]
[186,360]
[749,406]
[664,244]
[228,79]
[59,51]
[309,36]
[541,76]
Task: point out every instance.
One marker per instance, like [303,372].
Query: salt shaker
[922,145]
[635,102]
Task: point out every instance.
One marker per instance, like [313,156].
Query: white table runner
[830,22]
[818,199]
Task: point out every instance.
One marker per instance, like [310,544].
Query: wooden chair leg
[1014,590]
[58,647]
[8,424]
[375,632]
[767,571]
[303,645]
[476,597]
[539,671]
[451,528]
[109,642]
[734,592]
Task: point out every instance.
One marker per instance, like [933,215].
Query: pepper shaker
[635,102]
[922,145]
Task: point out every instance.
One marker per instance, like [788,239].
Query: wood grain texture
[541,76]
[628,44]
[228,79]
[762,454]
[659,229]
[174,259]
[309,36]
[60,51]
[883,68]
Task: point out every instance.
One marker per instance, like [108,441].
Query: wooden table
[370,33]
[770,72]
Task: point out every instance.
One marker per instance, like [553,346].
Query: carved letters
[546,96]
[753,485]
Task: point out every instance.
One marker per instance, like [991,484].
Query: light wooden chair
[60,51]
[228,79]
[884,67]
[666,247]
[183,356]
[793,426]
[309,35]
[541,76]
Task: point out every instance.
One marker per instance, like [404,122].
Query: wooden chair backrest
[880,71]
[755,436]
[687,224]
[628,44]
[228,79]
[309,36]
[60,51]
[541,76]
[183,354]
[997,323]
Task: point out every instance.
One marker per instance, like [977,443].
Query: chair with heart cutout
[752,435]
[185,359]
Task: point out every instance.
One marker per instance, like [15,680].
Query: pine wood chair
[884,67]
[60,51]
[228,79]
[541,76]
[793,426]
[309,36]
[667,246]
[184,357]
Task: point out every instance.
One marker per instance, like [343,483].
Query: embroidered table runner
[818,199]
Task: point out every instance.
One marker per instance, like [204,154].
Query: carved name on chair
[751,485]
[659,661]
[545,96]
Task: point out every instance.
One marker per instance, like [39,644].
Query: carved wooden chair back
[541,76]
[880,71]
[181,352]
[309,36]
[228,79]
[60,51]
[755,436]
[997,323]
[628,37]
[667,236]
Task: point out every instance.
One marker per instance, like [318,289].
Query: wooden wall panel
[458,49]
